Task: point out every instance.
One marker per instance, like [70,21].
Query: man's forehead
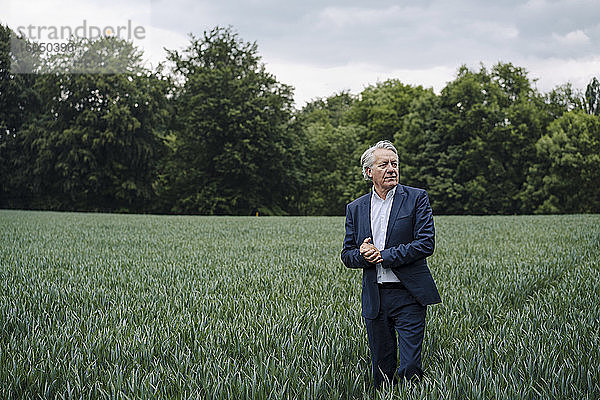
[384,153]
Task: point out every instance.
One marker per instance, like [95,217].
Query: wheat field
[190,307]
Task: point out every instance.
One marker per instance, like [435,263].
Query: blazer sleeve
[423,241]
[351,256]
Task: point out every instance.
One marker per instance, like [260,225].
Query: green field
[130,306]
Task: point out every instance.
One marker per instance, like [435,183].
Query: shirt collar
[389,195]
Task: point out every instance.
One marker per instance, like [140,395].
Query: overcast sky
[323,47]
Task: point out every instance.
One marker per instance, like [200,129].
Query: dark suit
[409,240]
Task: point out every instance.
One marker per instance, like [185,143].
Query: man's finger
[372,256]
[368,252]
[366,246]
[367,240]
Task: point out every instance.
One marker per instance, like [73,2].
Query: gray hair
[368,158]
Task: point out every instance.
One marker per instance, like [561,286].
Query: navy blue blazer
[410,238]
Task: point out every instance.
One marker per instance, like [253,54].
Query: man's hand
[370,252]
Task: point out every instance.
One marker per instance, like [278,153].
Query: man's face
[384,171]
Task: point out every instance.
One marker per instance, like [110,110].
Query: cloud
[41,17]
[495,30]
[574,38]
[351,17]
[158,40]
[326,46]
[552,72]
[311,82]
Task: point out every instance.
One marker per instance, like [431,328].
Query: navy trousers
[396,336]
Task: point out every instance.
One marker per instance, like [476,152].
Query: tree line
[211,131]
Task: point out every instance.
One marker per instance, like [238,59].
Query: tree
[562,99]
[97,139]
[331,110]
[19,103]
[234,151]
[381,109]
[592,97]
[490,122]
[18,100]
[333,150]
[421,150]
[566,179]
[334,170]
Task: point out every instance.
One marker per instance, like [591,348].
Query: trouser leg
[382,343]
[409,321]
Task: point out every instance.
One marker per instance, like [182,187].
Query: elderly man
[389,235]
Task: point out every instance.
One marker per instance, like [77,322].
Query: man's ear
[369,173]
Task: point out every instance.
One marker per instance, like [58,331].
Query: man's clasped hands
[370,252]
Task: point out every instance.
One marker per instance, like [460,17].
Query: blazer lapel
[399,197]
[365,209]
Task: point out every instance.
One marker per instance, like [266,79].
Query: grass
[130,306]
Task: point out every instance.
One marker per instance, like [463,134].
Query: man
[389,234]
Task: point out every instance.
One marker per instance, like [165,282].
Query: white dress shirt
[380,215]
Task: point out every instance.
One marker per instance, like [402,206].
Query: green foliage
[332,110]
[489,123]
[562,99]
[95,143]
[420,147]
[19,103]
[334,168]
[129,306]
[592,97]
[333,153]
[567,178]
[18,100]
[234,152]
[381,108]
[93,129]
